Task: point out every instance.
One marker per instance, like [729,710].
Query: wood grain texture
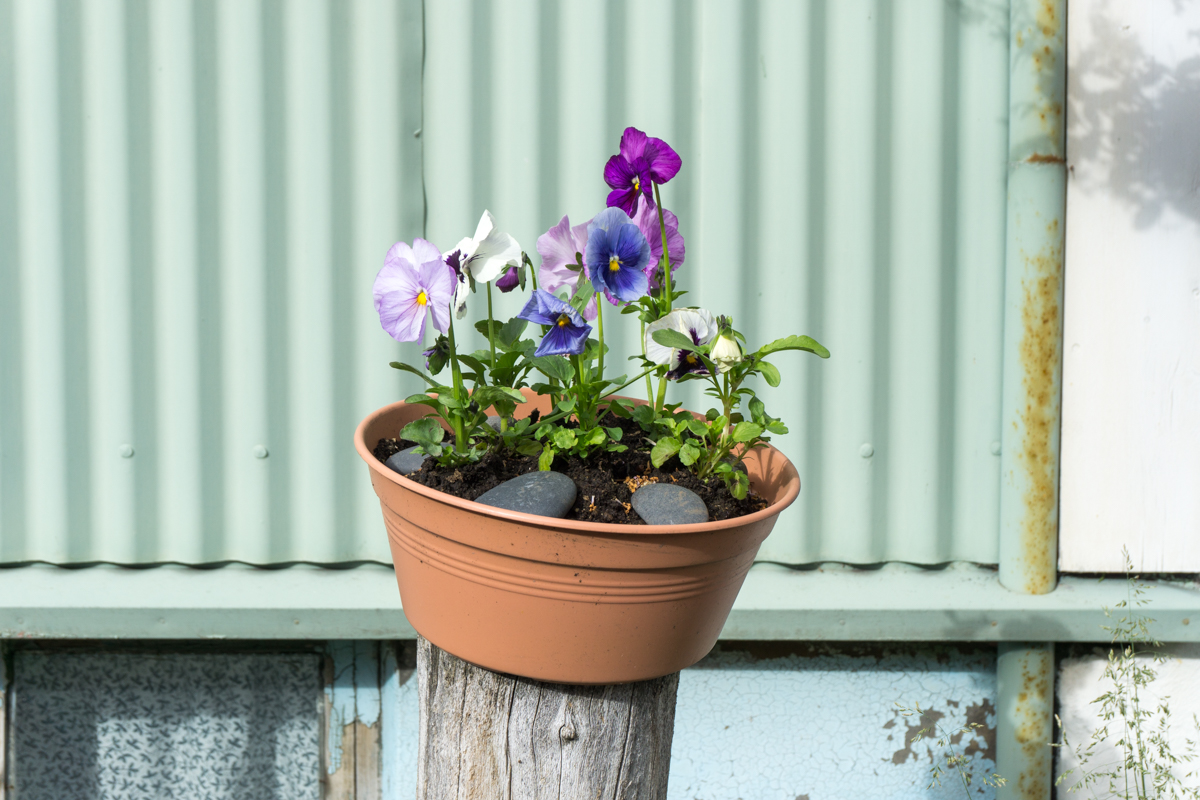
[487,735]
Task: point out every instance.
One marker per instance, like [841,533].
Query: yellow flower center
[563,320]
[614,264]
[691,359]
[637,184]
[422,299]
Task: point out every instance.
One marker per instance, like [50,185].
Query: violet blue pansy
[617,255]
[508,281]
[568,332]
[413,280]
[561,249]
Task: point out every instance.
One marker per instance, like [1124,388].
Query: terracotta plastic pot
[562,600]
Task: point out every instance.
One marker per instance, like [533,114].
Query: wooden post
[489,735]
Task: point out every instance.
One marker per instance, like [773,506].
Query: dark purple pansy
[662,162]
[617,254]
[508,281]
[629,180]
[568,332]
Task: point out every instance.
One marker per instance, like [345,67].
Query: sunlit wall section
[194,199]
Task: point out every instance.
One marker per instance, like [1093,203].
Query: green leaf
[563,438]
[615,434]
[482,327]
[758,411]
[546,459]
[794,343]
[777,427]
[688,454]
[511,331]
[422,399]
[769,371]
[746,431]
[583,294]
[554,367]
[619,408]
[664,449]
[400,365]
[528,447]
[697,427]
[423,431]
[594,437]
[673,338]
[739,484]
[475,363]
[566,405]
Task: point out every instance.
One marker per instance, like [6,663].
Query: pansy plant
[626,256]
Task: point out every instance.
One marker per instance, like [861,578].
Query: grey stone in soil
[494,421]
[547,494]
[406,461]
[668,504]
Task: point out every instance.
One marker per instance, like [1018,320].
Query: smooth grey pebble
[406,461]
[547,494]
[494,421]
[668,504]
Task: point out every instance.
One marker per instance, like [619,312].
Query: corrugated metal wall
[195,196]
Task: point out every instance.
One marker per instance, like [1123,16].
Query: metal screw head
[260,451]
[866,451]
[125,451]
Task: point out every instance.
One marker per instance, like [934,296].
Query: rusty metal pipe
[1024,716]
[1032,382]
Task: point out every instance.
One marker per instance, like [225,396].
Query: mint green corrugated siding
[195,196]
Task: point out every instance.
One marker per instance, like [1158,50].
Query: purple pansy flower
[643,160]
[413,279]
[617,254]
[561,248]
[647,221]
[508,281]
[662,161]
[629,180]
[568,332]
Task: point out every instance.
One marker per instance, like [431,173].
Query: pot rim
[611,528]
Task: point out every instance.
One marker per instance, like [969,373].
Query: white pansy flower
[695,323]
[484,257]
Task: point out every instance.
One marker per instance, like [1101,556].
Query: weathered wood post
[492,736]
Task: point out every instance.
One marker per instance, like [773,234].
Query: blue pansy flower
[568,332]
[617,255]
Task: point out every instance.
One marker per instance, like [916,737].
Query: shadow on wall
[1133,112]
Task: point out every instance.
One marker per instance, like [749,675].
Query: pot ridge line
[663,590]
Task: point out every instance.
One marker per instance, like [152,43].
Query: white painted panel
[1131,371]
[1081,680]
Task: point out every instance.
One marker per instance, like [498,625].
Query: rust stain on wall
[1041,364]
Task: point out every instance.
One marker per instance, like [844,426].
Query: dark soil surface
[606,481]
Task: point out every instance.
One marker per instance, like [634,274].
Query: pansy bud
[508,281]
[725,352]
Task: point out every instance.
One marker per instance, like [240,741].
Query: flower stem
[666,256]
[600,332]
[491,333]
[662,394]
[649,382]
[460,393]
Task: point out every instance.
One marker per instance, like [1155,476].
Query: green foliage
[1139,724]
